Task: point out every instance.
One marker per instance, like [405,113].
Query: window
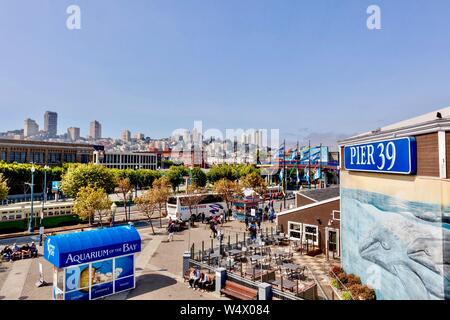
[3,156]
[294,230]
[311,233]
[11,217]
[4,218]
[18,216]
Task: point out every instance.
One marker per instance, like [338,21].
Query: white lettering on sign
[370,151]
[129,247]
[352,154]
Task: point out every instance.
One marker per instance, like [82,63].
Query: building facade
[315,223]
[30,128]
[395,207]
[73,133]
[95,130]
[41,152]
[126,160]
[51,123]
[126,136]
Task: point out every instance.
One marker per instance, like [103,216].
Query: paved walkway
[15,281]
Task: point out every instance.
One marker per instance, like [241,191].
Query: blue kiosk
[92,264]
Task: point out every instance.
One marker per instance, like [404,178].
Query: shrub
[343,277]
[334,283]
[346,295]
[335,270]
[356,290]
[367,293]
[353,279]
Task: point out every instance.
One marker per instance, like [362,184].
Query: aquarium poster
[102,272]
[124,284]
[77,295]
[101,290]
[124,267]
[77,278]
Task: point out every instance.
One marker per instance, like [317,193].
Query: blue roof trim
[82,247]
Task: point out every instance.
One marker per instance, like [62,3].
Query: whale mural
[406,243]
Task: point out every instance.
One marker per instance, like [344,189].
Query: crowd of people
[15,252]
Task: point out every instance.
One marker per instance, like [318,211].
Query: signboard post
[395,156]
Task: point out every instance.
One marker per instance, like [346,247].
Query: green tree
[83,175]
[4,189]
[176,176]
[198,177]
[92,203]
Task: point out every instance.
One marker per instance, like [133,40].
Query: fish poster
[77,278]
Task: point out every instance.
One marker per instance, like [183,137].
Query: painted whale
[386,245]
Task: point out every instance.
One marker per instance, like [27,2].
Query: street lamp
[130,196]
[30,224]
[46,167]
[113,212]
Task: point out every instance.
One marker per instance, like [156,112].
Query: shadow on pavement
[151,282]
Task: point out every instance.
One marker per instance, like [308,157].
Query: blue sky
[305,67]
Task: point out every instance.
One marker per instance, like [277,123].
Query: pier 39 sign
[387,156]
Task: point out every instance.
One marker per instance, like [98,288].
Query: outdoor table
[292,267]
[287,284]
[257,257]
[234,252]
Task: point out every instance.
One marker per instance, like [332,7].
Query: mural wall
[401,248]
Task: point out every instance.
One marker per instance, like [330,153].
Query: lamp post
[30,224]
[113,212]
[130,196]
[46,167]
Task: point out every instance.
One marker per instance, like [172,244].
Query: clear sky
[305,67]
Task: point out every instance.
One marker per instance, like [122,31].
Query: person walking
[246,221]
[203,217]
[171,230]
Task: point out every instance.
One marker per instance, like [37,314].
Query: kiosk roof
[82,247]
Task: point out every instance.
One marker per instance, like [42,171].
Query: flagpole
[284,173]
[320,166]
[296,162]
[309,164]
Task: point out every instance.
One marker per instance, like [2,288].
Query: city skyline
[308,69]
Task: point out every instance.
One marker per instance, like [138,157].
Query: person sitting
[203,282]
[194,278]
[16,253]
[7,253]
[34,250]
[25,250]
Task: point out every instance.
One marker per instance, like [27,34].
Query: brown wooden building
[43,152]
[316,220]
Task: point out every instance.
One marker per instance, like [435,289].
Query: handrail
[318,283]
[343,285]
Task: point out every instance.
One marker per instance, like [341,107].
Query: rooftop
[321,194]
[413,126]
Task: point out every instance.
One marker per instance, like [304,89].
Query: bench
[239,291]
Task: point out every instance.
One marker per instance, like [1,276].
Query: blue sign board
[82,247]
[56,186]
[387,156]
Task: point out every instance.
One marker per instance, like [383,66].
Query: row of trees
[76,176]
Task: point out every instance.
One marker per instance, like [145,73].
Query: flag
[294,154]
[280,152]
[298,177]
[317,174]
[306,175]
[281,176]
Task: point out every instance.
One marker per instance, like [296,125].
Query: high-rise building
[126,136]
[74,133]
[30,128]
[51,123]
[139,136]
[95,130]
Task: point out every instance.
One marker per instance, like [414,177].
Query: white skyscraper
[73,133]
[30,128]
